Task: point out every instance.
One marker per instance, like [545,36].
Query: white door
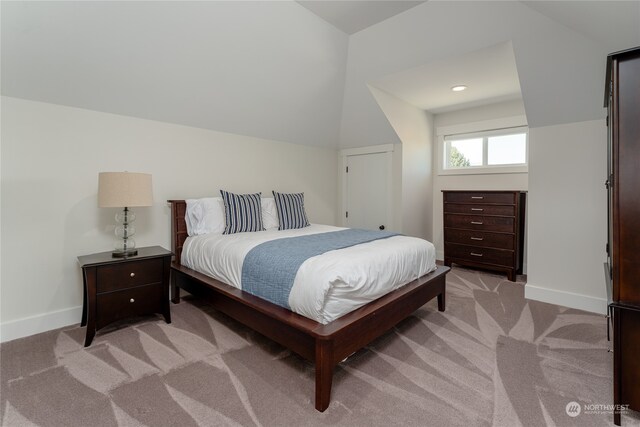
[368,191]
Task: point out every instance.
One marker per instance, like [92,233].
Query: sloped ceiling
[352,16]
[561,70]
[274,70]
[265,69]
[614,24]
[490,75]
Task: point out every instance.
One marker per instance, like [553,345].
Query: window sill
[485,170]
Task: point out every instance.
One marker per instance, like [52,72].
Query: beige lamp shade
[124,189]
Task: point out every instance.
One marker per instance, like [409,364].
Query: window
[490,149]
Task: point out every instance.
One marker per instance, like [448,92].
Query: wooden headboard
[178,228]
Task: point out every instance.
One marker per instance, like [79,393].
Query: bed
[324,344]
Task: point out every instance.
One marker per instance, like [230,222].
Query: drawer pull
[476,222]
[476,238]
[477,209]
[475,254]
[132,300]
[477,197]
[133,275]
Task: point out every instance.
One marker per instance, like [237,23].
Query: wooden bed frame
[325,345]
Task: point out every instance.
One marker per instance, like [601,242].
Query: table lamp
[124,190]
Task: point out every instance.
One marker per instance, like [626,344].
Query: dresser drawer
[480,238]
[508,198]
[503,210]
[479,222]
[129,274]
[138,301]
[480,255]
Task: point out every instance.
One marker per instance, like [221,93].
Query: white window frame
[482,129]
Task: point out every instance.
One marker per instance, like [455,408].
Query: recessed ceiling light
[458,88]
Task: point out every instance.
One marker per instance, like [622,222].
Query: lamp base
[124,254]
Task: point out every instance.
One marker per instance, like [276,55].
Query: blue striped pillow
[242,212]
[291,213]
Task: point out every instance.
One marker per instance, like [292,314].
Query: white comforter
[327,286]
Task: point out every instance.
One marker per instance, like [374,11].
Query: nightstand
[117,288]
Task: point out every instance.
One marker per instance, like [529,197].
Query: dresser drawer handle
[477,209]
[476,222]
[133,275]
[476,238]
[132,300]
[475,254]
[477,197]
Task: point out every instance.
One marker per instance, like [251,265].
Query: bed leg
[324,373]
[175,289]
[441,301]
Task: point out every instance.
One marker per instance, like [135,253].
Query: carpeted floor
[493,358]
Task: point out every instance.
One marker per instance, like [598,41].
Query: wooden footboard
[325,345]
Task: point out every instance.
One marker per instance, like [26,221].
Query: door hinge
[347,169]
[347,214]
[607,121]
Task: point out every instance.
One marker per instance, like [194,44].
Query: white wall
[478,114]
[477,118]
[567,215]
[51,156]
[414,127]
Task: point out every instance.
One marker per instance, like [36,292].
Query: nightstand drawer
[503,210]
[479,254]
[138,301]
[508,198]
[129,274]
[480,238]
[479,222]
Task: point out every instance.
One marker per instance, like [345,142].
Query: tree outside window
[457,159]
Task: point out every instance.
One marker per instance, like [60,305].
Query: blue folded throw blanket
[269,269]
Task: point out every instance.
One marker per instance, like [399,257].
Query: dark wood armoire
[622,269]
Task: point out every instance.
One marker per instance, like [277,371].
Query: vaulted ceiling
[298,71]
[611,23]
[268,69]
[490,76]
[352,16]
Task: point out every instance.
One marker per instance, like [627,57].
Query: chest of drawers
[118,288]
[485,229]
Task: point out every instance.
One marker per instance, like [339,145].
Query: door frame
[373,149]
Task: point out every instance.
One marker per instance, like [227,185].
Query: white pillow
[269,213]
[206,215]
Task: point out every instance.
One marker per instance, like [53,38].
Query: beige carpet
[493,358]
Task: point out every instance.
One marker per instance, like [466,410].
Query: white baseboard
[40,323]
[566,299]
